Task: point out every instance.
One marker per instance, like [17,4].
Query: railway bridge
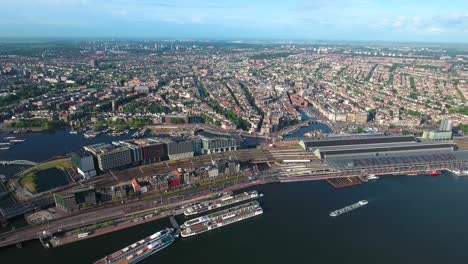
[18,162]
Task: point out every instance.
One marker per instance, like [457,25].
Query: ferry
[141,249]
[435,173]
[222,218]
[221,202]
[17,140]
[348,208]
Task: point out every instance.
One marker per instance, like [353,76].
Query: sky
[362,20]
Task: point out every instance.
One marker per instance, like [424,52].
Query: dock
[338,183]
[175,225]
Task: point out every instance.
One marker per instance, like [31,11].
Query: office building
[446,125]
[109,157]
[217,144]
[84,163]
[74,200]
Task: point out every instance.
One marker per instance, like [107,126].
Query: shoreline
[72,238]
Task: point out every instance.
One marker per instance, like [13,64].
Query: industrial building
[73,200]
[84,163]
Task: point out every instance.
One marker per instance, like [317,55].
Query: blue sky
[389,20]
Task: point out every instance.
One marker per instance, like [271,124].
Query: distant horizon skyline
[307,20]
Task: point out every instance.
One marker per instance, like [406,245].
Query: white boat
[372,177]
[459,172]
[17,140]
[4,148]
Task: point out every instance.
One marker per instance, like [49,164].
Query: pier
[338,183]
[175,225]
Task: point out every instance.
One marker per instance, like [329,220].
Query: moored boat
[221,218]
[140,250]
[221,202]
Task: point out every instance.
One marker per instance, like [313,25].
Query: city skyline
[361,20]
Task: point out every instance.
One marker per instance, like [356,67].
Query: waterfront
[43,146]
[51,144]
[407,220]
[299,133]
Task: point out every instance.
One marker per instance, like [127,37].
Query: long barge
[221,202]
[222,218]
[348,208]
[141,249]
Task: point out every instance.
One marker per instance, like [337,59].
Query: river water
[408,220]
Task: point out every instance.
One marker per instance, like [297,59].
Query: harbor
[146,247]
[283,201]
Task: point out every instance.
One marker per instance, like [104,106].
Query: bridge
[294,128]
[27,206]
[18,162]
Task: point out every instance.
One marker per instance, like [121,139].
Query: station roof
[356,141]
[369,148]
[352,163]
